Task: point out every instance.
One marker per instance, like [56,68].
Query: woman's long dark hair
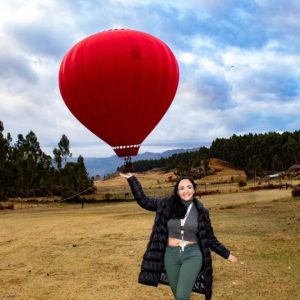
[178,209]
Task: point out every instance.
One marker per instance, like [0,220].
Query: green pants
[182,268]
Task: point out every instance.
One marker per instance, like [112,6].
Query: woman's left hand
[232,258]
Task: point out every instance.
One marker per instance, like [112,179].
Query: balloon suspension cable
[127,164]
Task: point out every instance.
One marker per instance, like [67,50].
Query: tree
[74,177]
[30,163]
[254,165]
[5,178]
[57,158]
[277,163]
[83,178]
[3,146]
[292,150]
[64,147]
[25,170]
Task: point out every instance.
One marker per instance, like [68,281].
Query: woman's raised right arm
[138,193]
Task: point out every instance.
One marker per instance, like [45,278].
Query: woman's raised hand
[232,258]
[127,175]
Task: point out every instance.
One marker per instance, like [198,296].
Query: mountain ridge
[105,165]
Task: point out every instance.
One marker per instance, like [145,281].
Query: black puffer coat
[152,268]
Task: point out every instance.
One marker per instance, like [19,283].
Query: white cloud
[239,67]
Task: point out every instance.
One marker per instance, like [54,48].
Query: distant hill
[222,172]
[105,165]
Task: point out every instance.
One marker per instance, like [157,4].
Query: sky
[239,66]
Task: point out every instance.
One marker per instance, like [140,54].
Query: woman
[178,252]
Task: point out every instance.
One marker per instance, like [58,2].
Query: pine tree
[64,147]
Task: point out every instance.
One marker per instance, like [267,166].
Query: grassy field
[60,251]
[223,180]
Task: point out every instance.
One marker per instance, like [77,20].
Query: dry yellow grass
[224,172]
[150,179]
[65,252]
[158,183]
[154,183]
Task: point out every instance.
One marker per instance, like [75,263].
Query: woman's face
[186,190]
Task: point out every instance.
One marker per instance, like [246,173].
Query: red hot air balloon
[119,84]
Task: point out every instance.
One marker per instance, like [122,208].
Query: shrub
[296,191]
[107,196]
[56,190]
[242,183]
[7,206]
[3,197]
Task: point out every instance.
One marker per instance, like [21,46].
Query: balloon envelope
[119,84]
